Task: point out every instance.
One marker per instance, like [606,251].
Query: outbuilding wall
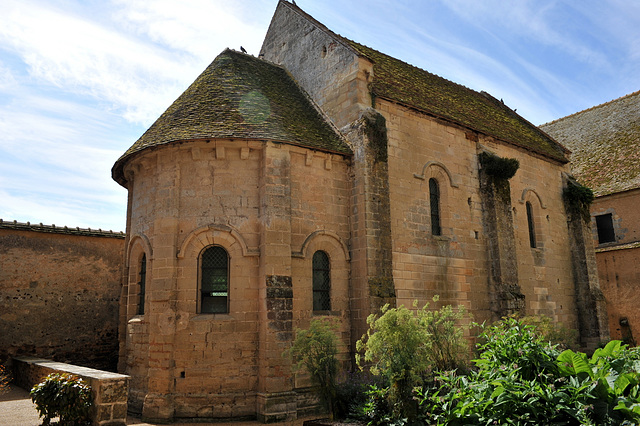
[59,292]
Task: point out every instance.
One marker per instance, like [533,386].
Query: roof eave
[117,171]
[466,126]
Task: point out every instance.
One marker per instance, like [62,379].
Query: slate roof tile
[406,84]
[409,85]
[240,96]
[605,144]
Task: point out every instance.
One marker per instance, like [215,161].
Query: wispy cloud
[81,81]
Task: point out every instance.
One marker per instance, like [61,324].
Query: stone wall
[108,390]
[618,269]
[456,264]
[59,291]
[331,72]
[270,206]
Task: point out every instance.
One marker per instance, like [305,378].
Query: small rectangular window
[604,225]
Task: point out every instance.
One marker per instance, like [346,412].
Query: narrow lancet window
[321,282]
[434,199]
[142,284]
[532,229]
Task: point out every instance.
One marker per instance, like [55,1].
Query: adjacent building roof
[605,144]
[240,96]
[53,229]
[406,84]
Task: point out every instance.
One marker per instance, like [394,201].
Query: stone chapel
[323,179]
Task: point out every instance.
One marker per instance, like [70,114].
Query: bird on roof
[243,50]
[294,2]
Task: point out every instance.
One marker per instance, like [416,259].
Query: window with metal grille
[321,282]
[214,281]
[434,199]
[604,224]
[142,284]
[532,229]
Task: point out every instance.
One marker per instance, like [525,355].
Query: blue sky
[80,81]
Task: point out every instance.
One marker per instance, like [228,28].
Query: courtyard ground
[16,409]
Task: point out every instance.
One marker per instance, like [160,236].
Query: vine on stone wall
[578,199]
[498,167]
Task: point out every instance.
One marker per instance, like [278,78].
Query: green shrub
[552,332]
[522,380]
[351,394]
[613,376]
[65,396]
[315,351]
[404,346]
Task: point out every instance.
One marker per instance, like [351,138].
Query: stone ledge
[110,390]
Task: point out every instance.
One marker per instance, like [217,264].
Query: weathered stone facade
[604,140]
[59,293]
[272,192]
[618,263]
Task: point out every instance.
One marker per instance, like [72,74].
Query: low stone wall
[59,293]
[110,390]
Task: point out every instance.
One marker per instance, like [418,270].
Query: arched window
[214,281]
[532,229]
[434,201]
[321,282]
[142,284]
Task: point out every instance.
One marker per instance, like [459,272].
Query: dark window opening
[142,284]
[321,282]
[532,229]
[434,200]
[214,284]
[604,224]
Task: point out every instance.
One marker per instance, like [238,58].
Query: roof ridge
[637,92]
[28,226]
[509,127]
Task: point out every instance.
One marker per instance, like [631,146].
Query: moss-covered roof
[240,96]
[604,141]
[406,84]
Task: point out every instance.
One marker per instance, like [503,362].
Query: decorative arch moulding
[429,164]
[523,198]
[142,240]
[331,236]
[246,251]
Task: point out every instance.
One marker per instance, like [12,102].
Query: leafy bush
[404,346]
[552,332]
[315,350]
[5,379]
[522,380]
[63,395]
[612,374]
[351,394]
